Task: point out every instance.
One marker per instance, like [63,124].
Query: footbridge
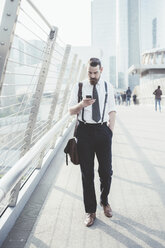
[41,202]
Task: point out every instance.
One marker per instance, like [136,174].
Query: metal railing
[12,181]
[37,72]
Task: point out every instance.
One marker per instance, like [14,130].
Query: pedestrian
[134,98]
[96,116]
[158,94]
[118,96]
[128,96]
[123,96]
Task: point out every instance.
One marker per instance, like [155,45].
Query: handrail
[14,175]
[40,14]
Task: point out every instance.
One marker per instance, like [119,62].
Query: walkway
[53,217]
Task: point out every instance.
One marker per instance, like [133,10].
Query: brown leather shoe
[107,210]
[90,218]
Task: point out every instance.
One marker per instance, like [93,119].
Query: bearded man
[96,115]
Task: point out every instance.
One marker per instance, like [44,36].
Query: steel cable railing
[22,64]
[20,74]
[34,22]
[28,74]
[39,69]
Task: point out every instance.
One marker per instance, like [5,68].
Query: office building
[122,43]
[152,22]
[103,17]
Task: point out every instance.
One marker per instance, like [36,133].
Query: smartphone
[88,96]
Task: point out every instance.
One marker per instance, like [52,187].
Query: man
[128,95]
[123,97]
[157,94]
[96,117]
[134,98]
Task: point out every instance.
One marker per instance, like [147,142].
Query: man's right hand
[78,107]
[87,102]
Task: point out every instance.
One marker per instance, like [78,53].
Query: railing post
[154,58]
[142,59]
[78,70]
[55,99]
[14,194]
[7,27]
[145,58]
[39,164]
[149,56]
[58,85]
[83,72]
[74,80]
[39,90]
[68,85]
[81,77]
[162,58]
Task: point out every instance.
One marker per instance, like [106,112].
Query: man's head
[94,70]
[158,86]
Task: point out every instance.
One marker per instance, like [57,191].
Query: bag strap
[79,95]
[105,101]
[80,98]
[66,158]
[80,91]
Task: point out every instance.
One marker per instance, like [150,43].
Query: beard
[93,81]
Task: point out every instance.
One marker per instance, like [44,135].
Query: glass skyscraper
[124,29]
[103,15]
[152,24]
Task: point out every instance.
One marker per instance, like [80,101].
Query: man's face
[94,73]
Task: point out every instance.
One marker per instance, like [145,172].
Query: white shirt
[87,89]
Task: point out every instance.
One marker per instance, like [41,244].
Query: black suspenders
[105,101]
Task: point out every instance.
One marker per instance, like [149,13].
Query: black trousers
[95,139]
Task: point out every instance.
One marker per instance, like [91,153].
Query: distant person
[134,99]
[118,98]
[123,96]
[115,96]
[128,96]
[158,94]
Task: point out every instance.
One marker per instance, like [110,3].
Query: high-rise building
[154,33]
[115,29]
[152,21]
[122,43]
[133,40]
[112,72]
[103,15]
[124,29]
[128,45]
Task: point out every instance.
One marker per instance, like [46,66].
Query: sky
[72,17]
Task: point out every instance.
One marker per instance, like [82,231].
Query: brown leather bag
[71,150]
[71,147]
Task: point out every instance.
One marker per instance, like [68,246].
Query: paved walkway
[53,217]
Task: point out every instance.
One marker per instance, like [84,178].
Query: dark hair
[158,86]
[94,62]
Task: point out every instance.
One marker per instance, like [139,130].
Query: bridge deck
[54,215]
